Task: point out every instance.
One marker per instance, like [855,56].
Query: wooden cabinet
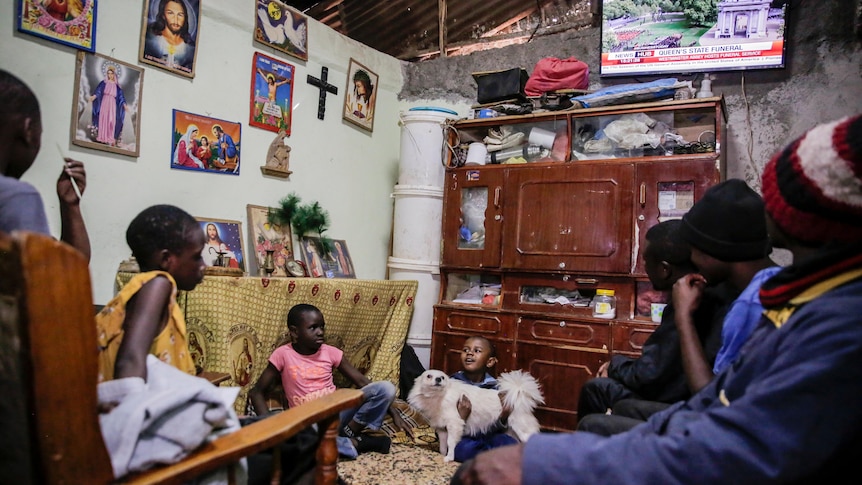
[527,244]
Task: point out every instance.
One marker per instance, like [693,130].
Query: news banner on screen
[736,35]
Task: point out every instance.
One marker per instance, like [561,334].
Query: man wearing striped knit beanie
[789,409]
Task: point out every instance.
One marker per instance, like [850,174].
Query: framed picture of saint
[106,107]
[271,93]
[360,96]
[169,35]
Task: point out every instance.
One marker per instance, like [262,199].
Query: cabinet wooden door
[572,217]
[472,217]
[629,338]
[562,355]
[667,190]
[453,325]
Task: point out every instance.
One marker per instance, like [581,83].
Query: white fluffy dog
[436,396]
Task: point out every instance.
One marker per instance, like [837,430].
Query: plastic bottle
[605,304]
[529,152]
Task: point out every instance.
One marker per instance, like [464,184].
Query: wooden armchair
[49,426]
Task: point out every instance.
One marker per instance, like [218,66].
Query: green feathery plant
[304,219]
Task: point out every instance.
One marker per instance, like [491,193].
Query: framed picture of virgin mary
[106,107]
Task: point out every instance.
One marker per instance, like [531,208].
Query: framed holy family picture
[71,23]
[106,106]
[271,93]
[169,35]
[360,96]
[205,144]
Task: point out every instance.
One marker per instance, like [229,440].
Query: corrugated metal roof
[409,29]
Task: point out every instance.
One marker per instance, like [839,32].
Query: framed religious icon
[169,35]
[331,262]
[223,251]
[205,144]
[72,23]
[339,260]
[271,93]
[106,106]
[360,96]
[271,243]
[281,27]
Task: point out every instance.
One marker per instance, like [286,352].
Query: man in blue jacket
[788,408]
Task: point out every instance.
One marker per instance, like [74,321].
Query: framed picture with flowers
[64,22]
[264,237]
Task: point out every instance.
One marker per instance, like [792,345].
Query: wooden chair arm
[215,378]
[260,436]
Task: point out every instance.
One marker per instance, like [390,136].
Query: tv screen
[687,36]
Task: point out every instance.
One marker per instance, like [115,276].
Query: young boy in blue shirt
[478,357]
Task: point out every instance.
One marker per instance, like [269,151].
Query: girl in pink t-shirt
[305,369]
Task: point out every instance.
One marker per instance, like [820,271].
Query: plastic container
[416,229]
[604,304]
[427,273]
[422,147]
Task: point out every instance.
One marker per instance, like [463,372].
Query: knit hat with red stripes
[813,188]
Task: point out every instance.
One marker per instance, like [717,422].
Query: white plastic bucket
[422,147]
[416,228]
[427,293]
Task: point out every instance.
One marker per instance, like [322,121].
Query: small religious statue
[278,157]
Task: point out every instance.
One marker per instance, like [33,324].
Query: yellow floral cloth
[234,323]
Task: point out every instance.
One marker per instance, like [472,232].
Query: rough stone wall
[766,109]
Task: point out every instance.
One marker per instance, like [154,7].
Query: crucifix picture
[324,87]
[271,93]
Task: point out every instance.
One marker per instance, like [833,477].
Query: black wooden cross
[324,88]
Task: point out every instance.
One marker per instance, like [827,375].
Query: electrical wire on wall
[750,143]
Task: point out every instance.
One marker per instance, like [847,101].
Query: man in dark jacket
[657,374]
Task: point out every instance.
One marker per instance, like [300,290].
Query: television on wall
[643,37]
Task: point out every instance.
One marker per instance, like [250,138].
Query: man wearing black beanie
[726,229]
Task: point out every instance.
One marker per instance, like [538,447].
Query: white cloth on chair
[164,419]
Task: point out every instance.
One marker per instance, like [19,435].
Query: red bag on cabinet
[552,74]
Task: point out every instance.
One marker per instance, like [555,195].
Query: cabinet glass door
[472,216]
[667,190]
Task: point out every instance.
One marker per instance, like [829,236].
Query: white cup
[541,137]
[476,154]
[656,310]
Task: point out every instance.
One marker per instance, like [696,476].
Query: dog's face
[431,382]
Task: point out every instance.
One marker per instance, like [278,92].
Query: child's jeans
[378,397]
